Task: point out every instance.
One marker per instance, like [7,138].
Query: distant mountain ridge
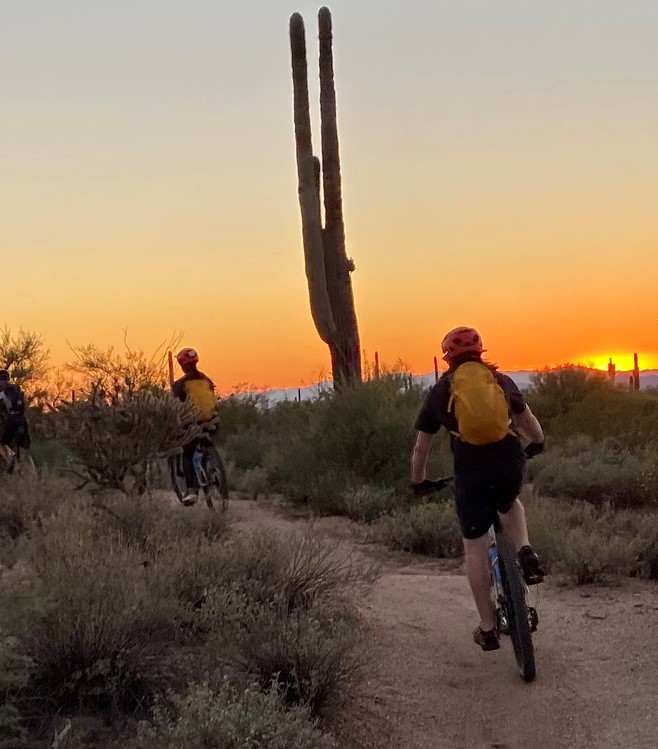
[522,377]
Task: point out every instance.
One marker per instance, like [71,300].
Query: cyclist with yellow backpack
[483,411]
[196,388]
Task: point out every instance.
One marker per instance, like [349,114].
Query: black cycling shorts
[487,481]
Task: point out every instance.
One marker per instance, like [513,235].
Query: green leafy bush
[589,543]
[598,472]
[228,718]
[368,503]
[427,528]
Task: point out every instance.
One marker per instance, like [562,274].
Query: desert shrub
[572,400]
[227,718]
[148,522]
[598,472]
[25,500]
[113,439]
[248,447]
[553,392]
[49,453]
[265,567]
[94,614]
[360,435]
[428,528]
[628,416]
[252,483]
[276,606]
[589,543]
[241,412]
[367,503]
[311,654]
[14,673]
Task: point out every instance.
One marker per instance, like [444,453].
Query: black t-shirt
[434,413]
[11,400]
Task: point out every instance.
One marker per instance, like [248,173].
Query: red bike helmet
[461,341]
[187,356]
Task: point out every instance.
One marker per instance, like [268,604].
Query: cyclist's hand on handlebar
[428,487]
[534,448]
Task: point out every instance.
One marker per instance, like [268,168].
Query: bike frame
[197,460]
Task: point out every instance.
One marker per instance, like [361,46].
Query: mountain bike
[510,595]
[210,473]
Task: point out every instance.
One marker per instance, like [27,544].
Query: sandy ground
[430,687]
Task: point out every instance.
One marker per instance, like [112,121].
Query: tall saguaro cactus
[327,266]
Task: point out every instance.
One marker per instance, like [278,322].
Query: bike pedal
[534,618]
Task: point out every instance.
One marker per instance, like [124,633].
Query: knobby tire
[216,472]
[517,609]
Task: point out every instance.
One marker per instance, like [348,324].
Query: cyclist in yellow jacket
[198,389]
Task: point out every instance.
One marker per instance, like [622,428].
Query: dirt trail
[430,687]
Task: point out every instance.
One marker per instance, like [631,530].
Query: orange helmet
[460,341]
[187,356]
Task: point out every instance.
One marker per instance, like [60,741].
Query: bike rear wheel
[217,485]
[518,619]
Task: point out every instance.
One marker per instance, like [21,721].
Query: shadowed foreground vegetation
[143,613]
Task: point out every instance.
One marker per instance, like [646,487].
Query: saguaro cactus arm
[308,168]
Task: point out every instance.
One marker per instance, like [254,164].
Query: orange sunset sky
[500,165]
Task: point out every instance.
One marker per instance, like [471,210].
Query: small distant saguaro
[328,268]
[636,373]
[436,370]
[612,371]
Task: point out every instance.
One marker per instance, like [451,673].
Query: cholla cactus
[113,440]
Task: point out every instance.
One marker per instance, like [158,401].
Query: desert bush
[252,482]
[265,568]
[310,654]
[589,543]
[228,718]
[598,472]
[630,417]
[553,392]
[277,606]
[113,439]
[95,613]
[25,500]
[149,522]
[14,674]
[367,503]
[361,434]
[427,528]
[248,447]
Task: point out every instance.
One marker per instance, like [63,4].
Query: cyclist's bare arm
[420,456]
[527,423]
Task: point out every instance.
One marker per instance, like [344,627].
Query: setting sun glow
[149,180]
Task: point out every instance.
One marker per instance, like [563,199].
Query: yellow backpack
[203,398]
[480,406]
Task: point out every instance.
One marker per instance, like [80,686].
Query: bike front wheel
[516,609]
[217,482]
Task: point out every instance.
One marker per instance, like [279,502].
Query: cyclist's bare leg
[476,552]
[515,525]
